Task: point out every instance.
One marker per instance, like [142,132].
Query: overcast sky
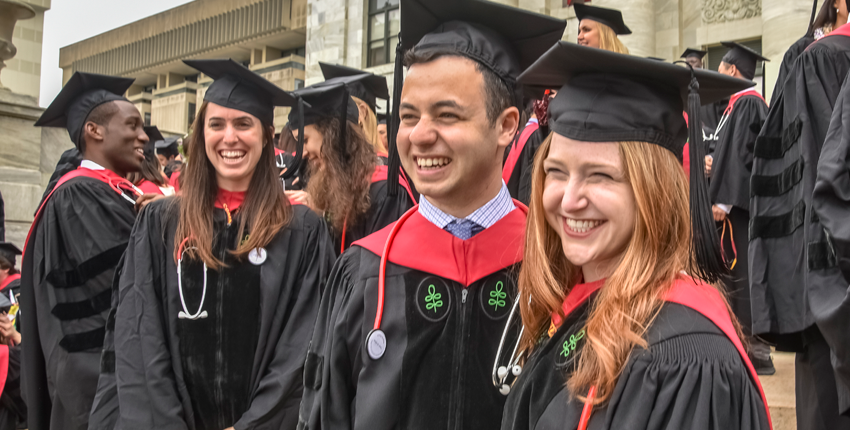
[70,21]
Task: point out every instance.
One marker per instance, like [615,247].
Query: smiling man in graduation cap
[730,171]
[73,247]
[409,343]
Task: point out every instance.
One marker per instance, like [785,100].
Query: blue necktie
[463,228]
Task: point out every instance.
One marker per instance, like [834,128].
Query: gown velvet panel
[160,359]
[66,279]
[690,377]
[787,242]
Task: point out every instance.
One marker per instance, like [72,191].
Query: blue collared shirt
[485,216]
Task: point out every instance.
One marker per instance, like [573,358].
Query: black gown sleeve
[733,158]
[330,373]
[283,381]
[147,389]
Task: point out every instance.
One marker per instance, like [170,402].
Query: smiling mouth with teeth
[582,226]
[432,163]
[232,155]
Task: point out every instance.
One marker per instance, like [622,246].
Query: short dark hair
[100,115]
[498,96]
[8,265]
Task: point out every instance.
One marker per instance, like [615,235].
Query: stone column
[784,21]
[639,15]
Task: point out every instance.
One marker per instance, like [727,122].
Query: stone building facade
[285,40]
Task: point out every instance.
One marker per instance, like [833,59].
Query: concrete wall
[23,73]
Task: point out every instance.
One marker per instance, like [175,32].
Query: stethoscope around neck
[185,314]
[376,340]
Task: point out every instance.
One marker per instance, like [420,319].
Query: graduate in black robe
[206,347]
[710,113]
[13,410]
[347,183]
[730,186]
[10,285]
[517,169]
[788,247]
[415,353]
[76,240]
[831,203]
[693,372]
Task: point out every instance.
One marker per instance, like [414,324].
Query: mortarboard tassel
[392,152]
[299,148]
[811,30]
[707,261]
[343,125]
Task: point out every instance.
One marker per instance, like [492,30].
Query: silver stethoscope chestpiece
[257,256]
[376,344]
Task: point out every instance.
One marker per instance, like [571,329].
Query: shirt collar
[88,164]
[485,216]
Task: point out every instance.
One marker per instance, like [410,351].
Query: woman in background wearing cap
[619,331]
[598,27]
[346,183]
[221,284]
[150,178]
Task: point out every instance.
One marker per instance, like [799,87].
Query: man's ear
[93,132]
[507,126]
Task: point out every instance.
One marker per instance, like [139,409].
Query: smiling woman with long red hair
[621,328]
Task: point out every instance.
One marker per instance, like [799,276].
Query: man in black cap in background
[425,364]
[730,188]
[74,245]
[10,277]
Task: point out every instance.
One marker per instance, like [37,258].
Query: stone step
[779,389]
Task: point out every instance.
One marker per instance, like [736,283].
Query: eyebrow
[439,104]
[235,119]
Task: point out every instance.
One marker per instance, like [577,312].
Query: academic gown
[730,185]
[517,161]
[786,239]
[383,210]
[831,202]
[69,260]
[710,115]
[68,161]
[13,409]
[691,376]
[445,306]
[240,366]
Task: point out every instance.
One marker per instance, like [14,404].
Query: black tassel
[708,264]
[394,163]
[299,148]
[343,126]
[811,30]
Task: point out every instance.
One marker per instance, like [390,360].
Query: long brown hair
[150,171]
[265,210]
[655,256]
[340,185]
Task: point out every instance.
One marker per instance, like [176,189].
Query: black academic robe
[242,365]
[68,161]
[70,256]
[383,210]
[710,115]
[13,410]
[830,304]
[787,242]
[445,306]
[519,161]
[691,375]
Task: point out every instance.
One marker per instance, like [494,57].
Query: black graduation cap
[690,52]
[382,118]
[237,87]
[326,100]
[83,92]
[611,17]
[743,58]
[154,138]
[363,85]
[9,251]
[609,97]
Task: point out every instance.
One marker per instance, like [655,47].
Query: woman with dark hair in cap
[621,329]
[221,284]
[598,27]
[347,185]
[150,178]
[364,88]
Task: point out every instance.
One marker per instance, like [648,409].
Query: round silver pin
[257,256]
[376,344]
